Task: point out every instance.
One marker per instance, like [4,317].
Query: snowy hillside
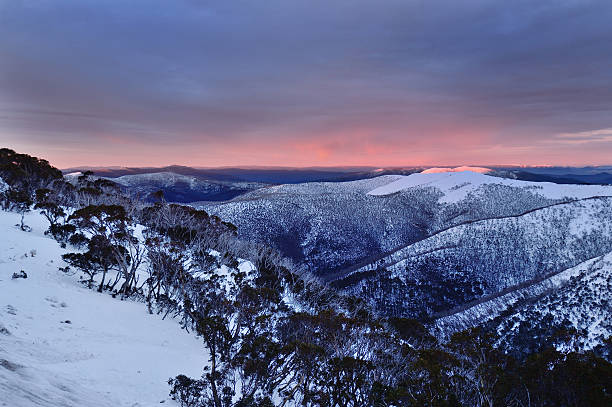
[337,227]
[565,224]
[456,186]
[462,264]
[525,296]
[62,344]
[170,178]
[582,303]
[528,317]
[327,225]
[184,188]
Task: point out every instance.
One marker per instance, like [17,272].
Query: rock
[21,274]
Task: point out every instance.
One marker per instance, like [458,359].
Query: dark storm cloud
[188,71]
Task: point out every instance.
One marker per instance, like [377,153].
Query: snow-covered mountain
[331,225]
[485,257]
[184,188]
[337,228]
[456,186]
[425,244]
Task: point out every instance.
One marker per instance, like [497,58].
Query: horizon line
[327,167]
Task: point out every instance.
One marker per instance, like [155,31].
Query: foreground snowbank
[64,345]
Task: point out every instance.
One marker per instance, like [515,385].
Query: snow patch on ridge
[457,185]
[435,170]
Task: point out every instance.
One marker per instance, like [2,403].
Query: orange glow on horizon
[450,147]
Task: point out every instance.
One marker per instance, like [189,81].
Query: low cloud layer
[306,82]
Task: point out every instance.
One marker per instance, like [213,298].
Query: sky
[307,82]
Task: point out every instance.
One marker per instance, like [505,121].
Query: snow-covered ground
[62,344]
[457,185]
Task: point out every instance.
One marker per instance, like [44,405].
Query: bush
[186,391]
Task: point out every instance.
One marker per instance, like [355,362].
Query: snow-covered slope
[583,303]
[336,227]
[327,224]
[64,345]
[184,188]
[592,277]
[455,186]
[162,179]
[464,263]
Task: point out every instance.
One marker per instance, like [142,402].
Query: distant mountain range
[188,184]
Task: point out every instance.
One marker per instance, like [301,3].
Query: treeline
[275,336]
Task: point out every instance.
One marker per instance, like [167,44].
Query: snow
[488,310]
[457,185]
[111,353]
[583,222]
[169,179]
[164,178]
[481,170]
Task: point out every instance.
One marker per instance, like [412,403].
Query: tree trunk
[101,287]
[213,374]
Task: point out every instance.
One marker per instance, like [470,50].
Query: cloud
[424,75]
[583,137]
